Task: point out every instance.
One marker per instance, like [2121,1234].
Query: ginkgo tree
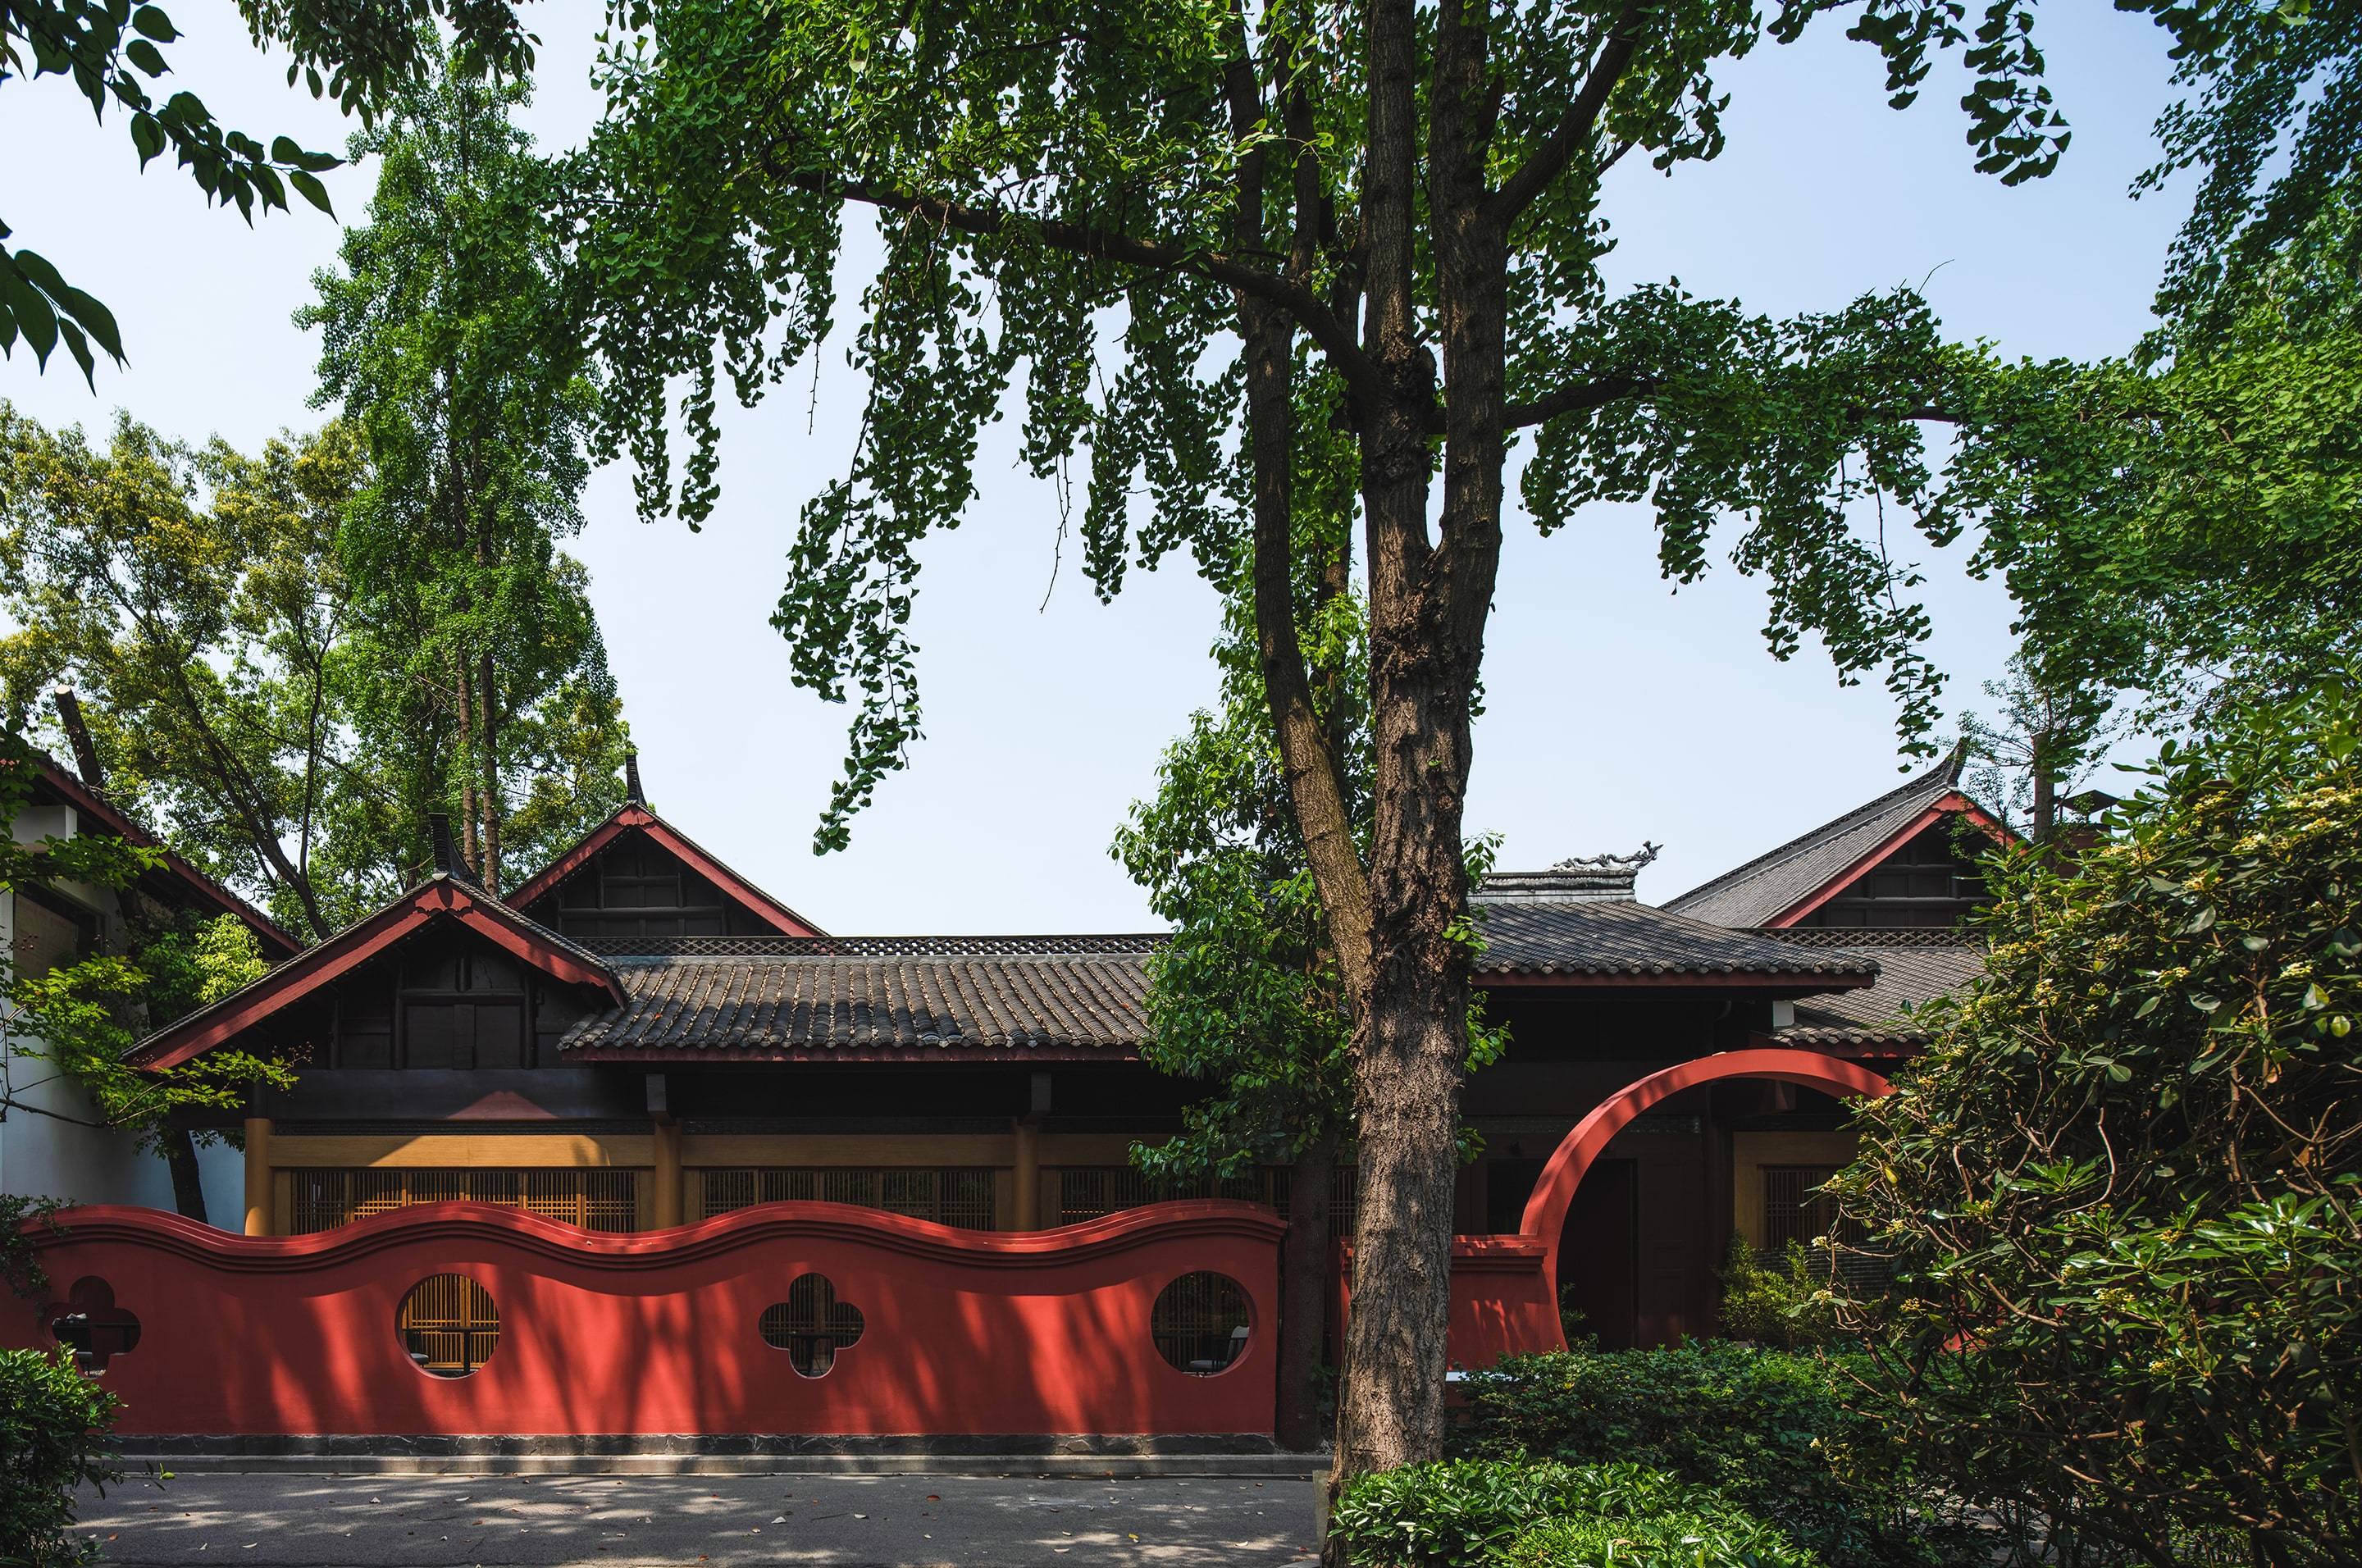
[1152,209]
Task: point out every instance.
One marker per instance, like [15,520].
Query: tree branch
[1335,339]
[1548,161]
[1570,399]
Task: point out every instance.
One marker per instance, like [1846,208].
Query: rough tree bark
[468,855]
[488,723]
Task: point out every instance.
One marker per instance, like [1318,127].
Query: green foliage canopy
[109,50]
[1059,189]
[204,636]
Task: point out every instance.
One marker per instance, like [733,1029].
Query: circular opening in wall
[1201,1323]
[812,1325]
[448,1325]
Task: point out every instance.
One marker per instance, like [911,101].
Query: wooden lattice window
[1199,1323]
[1088,1192]
[593,1199]
[1793,1208]
[957,1197]
[448,1325]
[812,1325]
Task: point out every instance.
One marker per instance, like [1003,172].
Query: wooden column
[258,1176]
[668,1193]
[1029,1174]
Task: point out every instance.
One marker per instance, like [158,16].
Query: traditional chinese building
[639,1037]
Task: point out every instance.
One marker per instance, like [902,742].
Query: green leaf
[95,318]
[311,190]
[35,317]
[145,56]
[150,22]
[80,349]
[147,135]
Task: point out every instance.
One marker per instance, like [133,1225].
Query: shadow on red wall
[693,1331]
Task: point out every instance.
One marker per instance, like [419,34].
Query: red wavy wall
[963,1333]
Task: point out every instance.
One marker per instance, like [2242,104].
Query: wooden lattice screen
[1085,1192]
[449,1325]
[1199,1323]
[1794,1210]
[596,1201]
[960,1198]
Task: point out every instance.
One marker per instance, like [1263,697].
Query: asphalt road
[449,1521]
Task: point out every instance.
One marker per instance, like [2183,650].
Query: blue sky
[1617,711]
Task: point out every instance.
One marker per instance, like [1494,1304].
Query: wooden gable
[449,997]
[1930,879]
[637,877]
[443,977]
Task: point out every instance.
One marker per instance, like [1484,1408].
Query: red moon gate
[1505,1288]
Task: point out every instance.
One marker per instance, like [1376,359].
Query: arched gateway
[1505,1288]
[1546,1210]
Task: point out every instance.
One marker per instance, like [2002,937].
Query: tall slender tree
[439,345]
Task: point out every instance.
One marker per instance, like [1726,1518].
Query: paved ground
[449,1521]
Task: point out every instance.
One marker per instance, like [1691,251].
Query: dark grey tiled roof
[1914,967]
[1618,937]
[1137,943]
[1769,884]
[765,1004]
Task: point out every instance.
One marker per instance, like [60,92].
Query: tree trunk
[1411,1026]
[467,770]
[1304,1294]
[1310,763]
[1429,602]
[488,722]
[2045,788]
[188,1189]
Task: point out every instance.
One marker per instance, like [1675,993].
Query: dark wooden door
[1598,1254]
[1671,1250]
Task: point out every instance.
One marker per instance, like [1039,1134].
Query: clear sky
[1617,711]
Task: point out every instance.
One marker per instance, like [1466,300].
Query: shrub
[1783,1305]
[54,1437]
[1462,1513]
[1768,1430]
[2120,1189]
[1667,1540]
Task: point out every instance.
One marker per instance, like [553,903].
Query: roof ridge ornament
[447,861]
[1576,879]
[632,790]
[1639,857]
